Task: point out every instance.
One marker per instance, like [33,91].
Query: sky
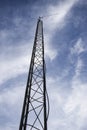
[65,42]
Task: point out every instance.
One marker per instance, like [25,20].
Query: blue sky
[65,39]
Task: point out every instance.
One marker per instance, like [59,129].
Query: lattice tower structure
[36,102]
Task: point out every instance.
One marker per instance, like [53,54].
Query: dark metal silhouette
[36,104]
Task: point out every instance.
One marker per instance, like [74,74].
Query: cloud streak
[56,22]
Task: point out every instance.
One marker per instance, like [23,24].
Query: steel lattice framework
[36,105]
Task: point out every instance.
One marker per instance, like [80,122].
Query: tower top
[40,18]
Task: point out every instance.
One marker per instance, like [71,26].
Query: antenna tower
[36,102]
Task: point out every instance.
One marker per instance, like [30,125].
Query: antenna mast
[36,104]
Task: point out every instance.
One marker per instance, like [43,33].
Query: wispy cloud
[12,67]
[78,47]
[76,104]
[75,58]
[69,107]
[11,100]
[55,22]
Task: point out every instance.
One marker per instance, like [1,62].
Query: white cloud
[56,21]
[51,24]
[76,104]
[78,47]
[67,112]
[75,57]
[13,65]
[10,96]
[79,67]
[11,100]
[50,51]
